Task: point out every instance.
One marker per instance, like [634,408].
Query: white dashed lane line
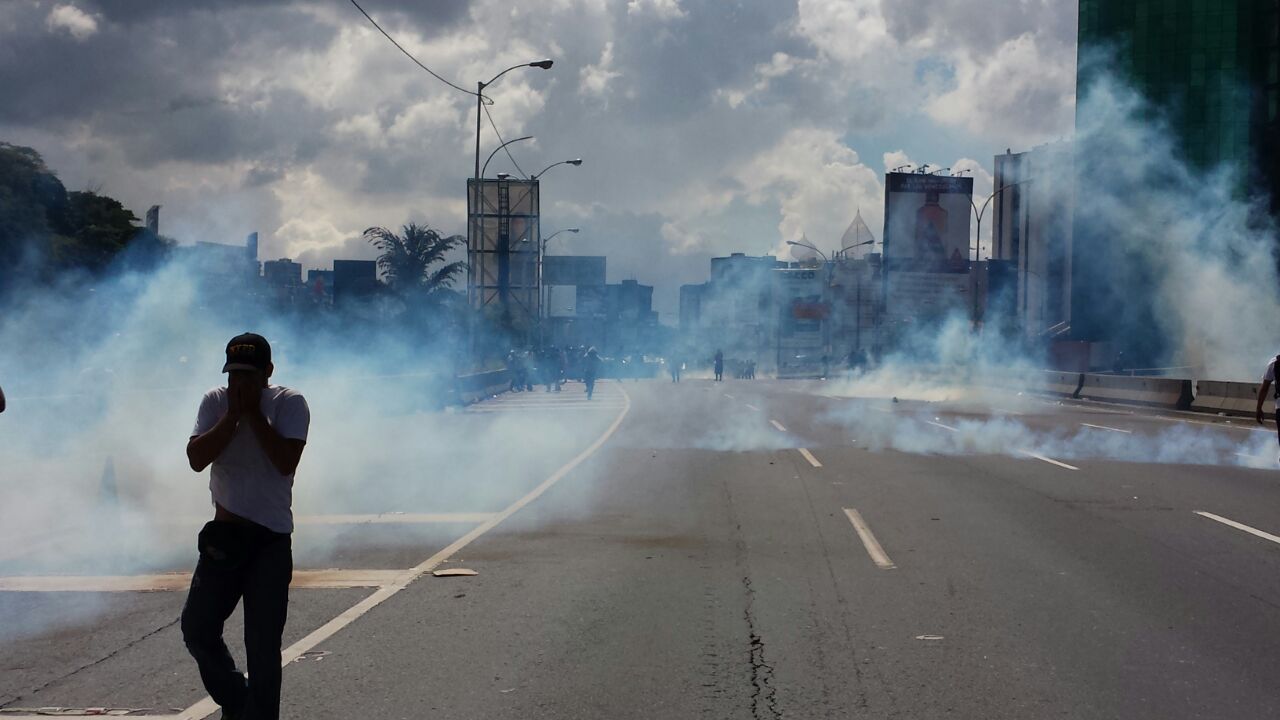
[1104,427]
[1051,461]
[1239,526]
[809,456]
[778,425]
[869,541]
[944,427]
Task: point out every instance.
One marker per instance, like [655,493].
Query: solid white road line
[1051,461]
[869,541]
[1104,427]
[753,407]
[1239,526]
[207,706]
[809,456]
[944,427]
[778,425]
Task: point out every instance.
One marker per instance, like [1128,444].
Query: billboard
[926,222]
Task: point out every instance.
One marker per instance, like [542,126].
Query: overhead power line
[407,54]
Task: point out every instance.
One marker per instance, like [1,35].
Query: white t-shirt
[242,479]
[1270,374]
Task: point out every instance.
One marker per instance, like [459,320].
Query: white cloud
[817,183]
[1022,93]
[594,80]
[661,9]
[71,19]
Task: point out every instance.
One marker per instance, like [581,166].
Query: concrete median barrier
[477,386]
[1055,382]
[1231,398]
[1159,392]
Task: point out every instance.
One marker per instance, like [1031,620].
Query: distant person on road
[252,433]
[719,366]
[1269,379]
[675,367]
[590,370]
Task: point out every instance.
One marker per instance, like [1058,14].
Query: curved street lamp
[495,151]
[480,86]
[807,245]
[575,162]
[979,213]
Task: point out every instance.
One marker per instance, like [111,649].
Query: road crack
[764,697]
[86,666]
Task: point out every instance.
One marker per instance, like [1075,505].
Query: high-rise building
[1211,67]
[1031,229]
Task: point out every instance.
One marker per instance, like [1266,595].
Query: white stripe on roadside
[809,456]
[1239,526]
[753,407]
[869,541]
[1051,461]
[944,427]
[730,396]
[1104,427]
[778,425]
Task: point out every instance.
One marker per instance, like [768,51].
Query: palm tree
[408,261]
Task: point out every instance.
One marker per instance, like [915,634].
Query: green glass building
[1211,70]
[1212,67]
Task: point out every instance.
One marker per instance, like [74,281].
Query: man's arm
[284,453]
[1262,396]
[1,399]
[204,449]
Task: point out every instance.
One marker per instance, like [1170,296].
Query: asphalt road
[746,549]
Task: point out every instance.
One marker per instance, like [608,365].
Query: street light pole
[485,167]
[826,321]
[543,301]
[979,213]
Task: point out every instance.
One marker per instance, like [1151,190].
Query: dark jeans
[240,561]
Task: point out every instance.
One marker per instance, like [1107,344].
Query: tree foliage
[45,229]
[408,262]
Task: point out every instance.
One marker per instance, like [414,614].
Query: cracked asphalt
[699,566]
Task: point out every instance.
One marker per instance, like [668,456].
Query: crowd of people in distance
[552,368]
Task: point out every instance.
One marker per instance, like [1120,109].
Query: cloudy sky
[706,126]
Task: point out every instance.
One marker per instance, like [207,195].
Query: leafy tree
[101,229]
[408,261]
[33,203]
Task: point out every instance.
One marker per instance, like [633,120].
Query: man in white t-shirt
[252,434]
[1268,378]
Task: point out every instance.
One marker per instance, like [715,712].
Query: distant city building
[320,286]
[354,280]
[1031,228]
[629,317]
[282,273]
[691,308]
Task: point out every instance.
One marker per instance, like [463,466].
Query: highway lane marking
[753,407]
[1224,426]
[730,396]
[207,706]
[1104,427]
[778,425]
[1239,526]
[176,581]
[809,456]
[1051,461]
[944,427]
[869,541]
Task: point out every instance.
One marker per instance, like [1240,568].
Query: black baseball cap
[248,351]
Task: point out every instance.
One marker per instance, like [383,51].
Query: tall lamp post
[480,86]
[485,167]
[980,212]
[857,337]
[544,311]
[826,321]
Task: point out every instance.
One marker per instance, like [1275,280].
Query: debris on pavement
[454,572]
